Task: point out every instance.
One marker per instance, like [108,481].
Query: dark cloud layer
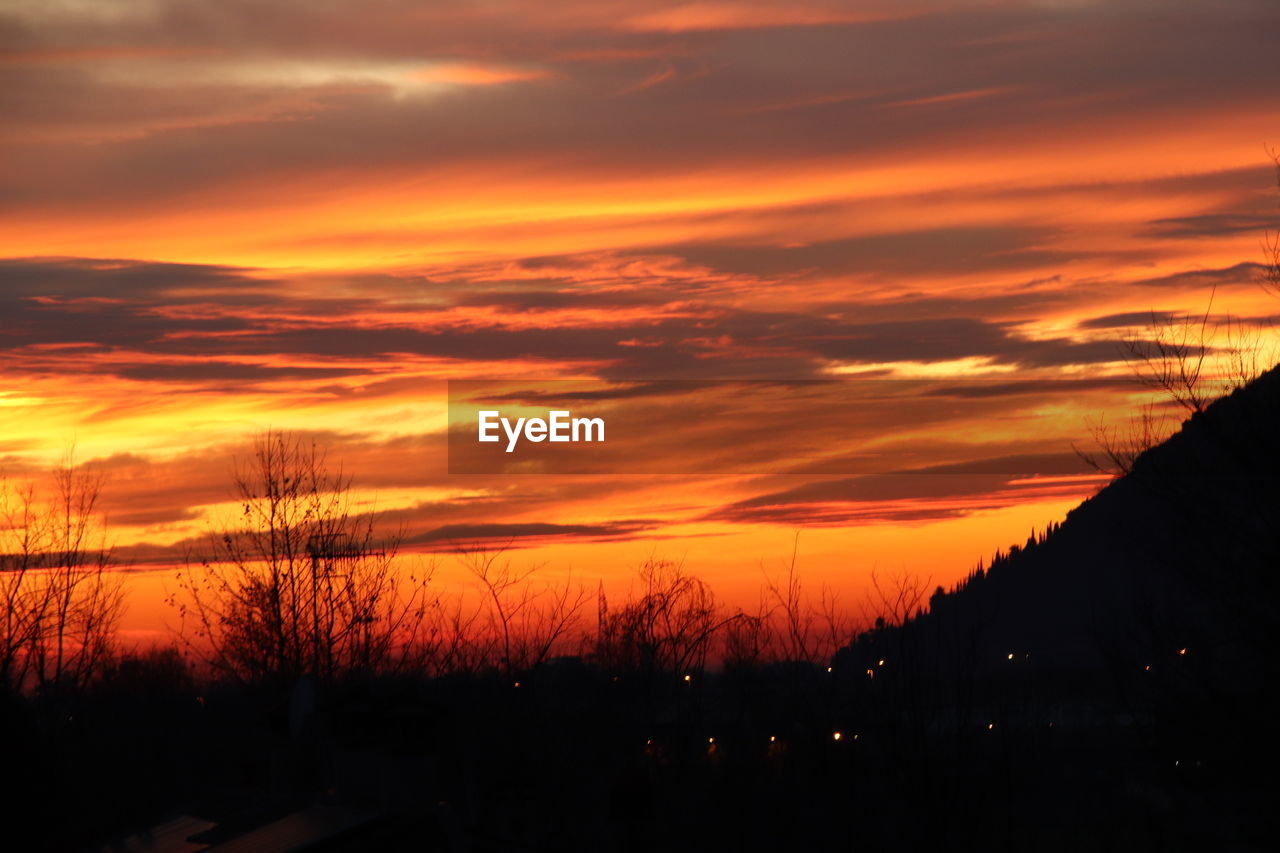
[145,315]
[936,492]
[462,537]
[305,87]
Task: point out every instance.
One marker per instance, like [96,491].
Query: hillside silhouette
[1181,555]
[1130,649]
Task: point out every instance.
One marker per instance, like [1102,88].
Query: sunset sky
[223,216]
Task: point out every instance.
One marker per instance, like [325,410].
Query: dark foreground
[575,760]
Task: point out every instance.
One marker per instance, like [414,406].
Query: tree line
[304,583]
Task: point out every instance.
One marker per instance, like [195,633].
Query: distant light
[517,684]
[828,669]
[1010,655]
[881,662]
[871,673]
[688,678]
[1147,668]
[990,726]
[1182,651]
[773,738]
[836,736]
[711,740]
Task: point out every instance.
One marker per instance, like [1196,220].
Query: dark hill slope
[1175,566]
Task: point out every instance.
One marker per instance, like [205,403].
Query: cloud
[220,371]
[910,251]
[163,311]
[1045,387]
[960,97]
[1127,320]
[110,278]
[1214,225]
[904,496]
[253,124]
[1244,273]
[462,537]
[752,14]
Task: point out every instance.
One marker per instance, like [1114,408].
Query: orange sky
[217,217]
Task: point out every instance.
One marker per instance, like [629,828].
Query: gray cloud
[240,128]
[1241,274]
[929,493]
[461,537]
[776,344]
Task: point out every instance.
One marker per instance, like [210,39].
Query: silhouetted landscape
[1109,684]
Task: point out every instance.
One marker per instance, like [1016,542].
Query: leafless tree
[809,631]
[1179,358]
[669,628]
[1120,446]
[1171,355]
[61,600]
[302,583]
[893,600]
[454,638]
[1245,356]
[750,638]
[527,619]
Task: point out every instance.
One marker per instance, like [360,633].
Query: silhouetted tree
[303,584]
[1120,446]
[60,601]
[749,639]
[1171,354]
[669,628]
[892,601]
[809,630]
[526,619]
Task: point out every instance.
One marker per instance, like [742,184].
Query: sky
[225,216]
